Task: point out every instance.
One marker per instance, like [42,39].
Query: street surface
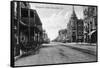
[54,53]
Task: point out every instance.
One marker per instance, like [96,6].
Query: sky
[55,17]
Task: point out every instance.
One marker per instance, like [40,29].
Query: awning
[92,32]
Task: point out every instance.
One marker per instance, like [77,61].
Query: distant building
[90,24]
[72,27]
[62,36]
[45,37]
[80,31]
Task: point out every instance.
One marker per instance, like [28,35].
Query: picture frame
[44,33]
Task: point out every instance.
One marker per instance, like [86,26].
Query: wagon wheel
[27,45]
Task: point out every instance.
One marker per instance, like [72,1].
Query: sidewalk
[83,43]
[84,47]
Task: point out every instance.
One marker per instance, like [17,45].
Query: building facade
[26,28]
[75,28]
[90,24]
[45,37]
[72,27]
[80,30]
[62,37]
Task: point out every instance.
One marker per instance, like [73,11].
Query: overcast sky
[55,17]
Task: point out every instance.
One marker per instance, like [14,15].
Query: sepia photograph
[53,33]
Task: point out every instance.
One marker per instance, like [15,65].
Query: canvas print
[51,33]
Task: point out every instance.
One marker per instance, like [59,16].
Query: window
[24,12]
[31,13]
[73,33]
[73,27]
[80,32]
[79,37]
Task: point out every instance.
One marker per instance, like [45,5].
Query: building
[45,37]
[80,30]
[26,28]
[62,36]
[90,24]
[72,27]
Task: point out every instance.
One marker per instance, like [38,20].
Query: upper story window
[24,12]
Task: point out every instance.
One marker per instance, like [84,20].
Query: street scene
[44,34]
[55,53]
